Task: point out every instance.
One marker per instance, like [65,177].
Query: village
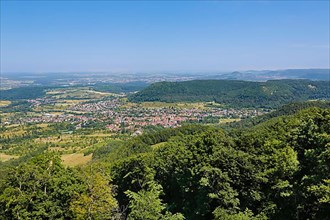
[117,114]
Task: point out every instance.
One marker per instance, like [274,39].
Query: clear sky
[48,36]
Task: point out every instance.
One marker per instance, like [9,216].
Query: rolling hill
[236,93]
[263,75]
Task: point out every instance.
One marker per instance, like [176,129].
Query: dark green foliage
[42,188]
[22,93]
[288,109]
[96,200]
[104,151]
[278,170]
[141,144]
[131,174]
[295,150]
[5,167]
[39,189]
[17,106]
[147,205]
[236,93]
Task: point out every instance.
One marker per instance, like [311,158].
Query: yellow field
[228,120]
[42,125]
[4,103]
[6,157]
[130,104]
[81,93]
[13,125]
[103,93]
[70,101]
[156,146]
[191,105]
[99,135]
[75,159]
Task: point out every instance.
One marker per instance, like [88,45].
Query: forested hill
[270,94]
[289,109]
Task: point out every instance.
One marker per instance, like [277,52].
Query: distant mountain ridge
[263,75]
[236,93]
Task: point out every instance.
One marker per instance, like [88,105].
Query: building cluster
[41,101]
[117,116]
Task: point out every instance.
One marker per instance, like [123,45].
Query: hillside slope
[270,94]
[289,109]
[277,169]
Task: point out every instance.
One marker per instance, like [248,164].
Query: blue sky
[48,36]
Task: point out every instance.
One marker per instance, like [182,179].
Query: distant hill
[235,93]
[263,75]
[28,92]
[33,92]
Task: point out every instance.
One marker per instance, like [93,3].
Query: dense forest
[278,168]
[235,93]
[288,109]
[28,92]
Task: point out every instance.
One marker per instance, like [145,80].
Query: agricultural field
[228,120]
[80,129]
[6,157]
[164,110]
[75,159]
[4,103]
[75,121]
[18,140]
[77,93]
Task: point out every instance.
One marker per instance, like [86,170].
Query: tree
[222,214]
[146,204]
[40,189]
[97,200]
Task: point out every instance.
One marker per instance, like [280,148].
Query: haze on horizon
[192,36]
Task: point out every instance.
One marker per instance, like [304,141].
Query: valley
[79,120]
[242,148]
[164,110]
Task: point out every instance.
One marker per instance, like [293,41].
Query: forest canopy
[276,169]
[235,93]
